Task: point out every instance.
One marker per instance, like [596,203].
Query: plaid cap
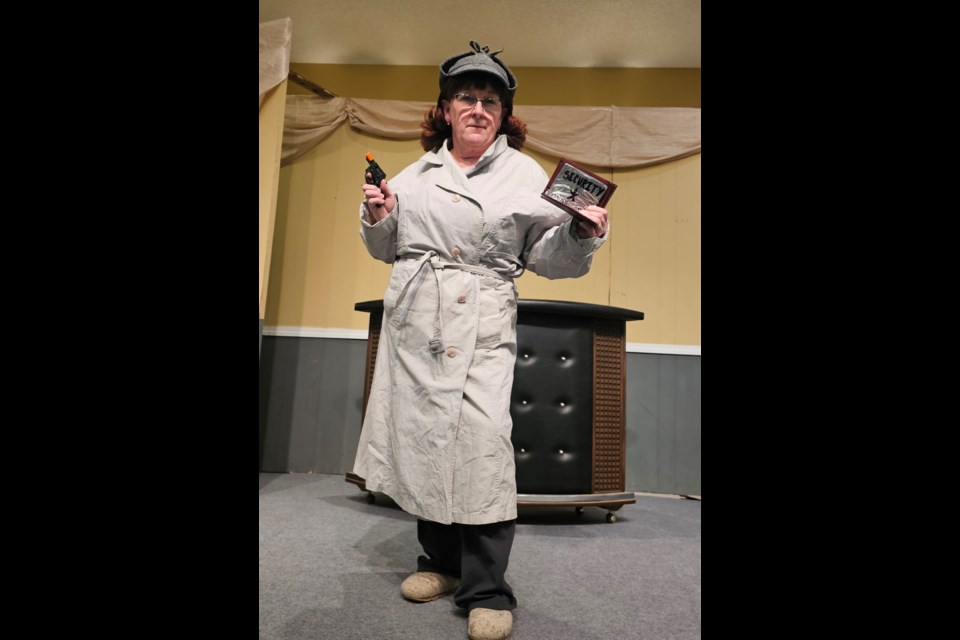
[480,59]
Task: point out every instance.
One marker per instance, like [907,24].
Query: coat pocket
[491,305]
[478,476]
[403,271]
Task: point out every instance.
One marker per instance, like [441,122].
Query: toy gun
[376,173]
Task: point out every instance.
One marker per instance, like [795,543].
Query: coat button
[456,198]
[455,252]
[451,353]
[462,299]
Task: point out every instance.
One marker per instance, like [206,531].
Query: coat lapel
[452,178]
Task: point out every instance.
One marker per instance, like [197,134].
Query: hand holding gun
[378,193]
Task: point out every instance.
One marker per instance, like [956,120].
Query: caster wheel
[579,510]
[371,498]
[611,518]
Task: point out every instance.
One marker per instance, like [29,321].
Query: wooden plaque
[571,187]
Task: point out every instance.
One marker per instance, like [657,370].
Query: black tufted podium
[567,404]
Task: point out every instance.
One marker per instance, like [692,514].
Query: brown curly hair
[436,129]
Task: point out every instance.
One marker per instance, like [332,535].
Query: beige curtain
[609,137]
[274,53]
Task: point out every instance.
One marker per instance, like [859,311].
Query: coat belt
[431,258]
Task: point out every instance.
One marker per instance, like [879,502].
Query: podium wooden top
[548,307]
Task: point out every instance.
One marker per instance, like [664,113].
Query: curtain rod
[306,84]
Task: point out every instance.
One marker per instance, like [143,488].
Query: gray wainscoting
[311,391]
[663,423]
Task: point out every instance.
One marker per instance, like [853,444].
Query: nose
[478,108]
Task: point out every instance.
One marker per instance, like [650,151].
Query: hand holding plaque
[573,188]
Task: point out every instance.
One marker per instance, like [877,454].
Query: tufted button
[455,252]
[456,198]
[523,402]
[462,299]
[451,353]
[526,355]
[563,404]
[563,358]
[522,450]
[561,451]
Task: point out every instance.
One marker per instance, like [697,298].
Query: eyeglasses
[490,103]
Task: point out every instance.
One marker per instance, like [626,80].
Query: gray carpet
[331,567]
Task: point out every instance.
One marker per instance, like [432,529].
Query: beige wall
[651,263]
[321,268]
[537,85]
[655,252]
[271,137]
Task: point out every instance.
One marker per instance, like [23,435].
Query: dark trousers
[475,553]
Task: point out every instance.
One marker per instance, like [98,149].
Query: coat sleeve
[558,252]
[551,246]
[380,238]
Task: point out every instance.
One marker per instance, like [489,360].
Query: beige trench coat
[436,435]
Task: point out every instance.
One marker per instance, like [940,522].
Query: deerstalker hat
[480,59]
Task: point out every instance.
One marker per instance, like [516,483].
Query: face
[474,128]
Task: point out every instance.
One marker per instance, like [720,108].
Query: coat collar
[452,177]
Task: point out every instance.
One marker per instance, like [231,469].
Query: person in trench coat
[458,226]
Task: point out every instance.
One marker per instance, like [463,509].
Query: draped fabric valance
[274,53]
[610,137]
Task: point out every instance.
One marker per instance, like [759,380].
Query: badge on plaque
[572,188]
